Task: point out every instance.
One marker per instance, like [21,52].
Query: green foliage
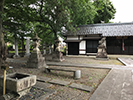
[105,11]
[50,18]
[64,50]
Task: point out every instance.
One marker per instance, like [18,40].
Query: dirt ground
[90,77]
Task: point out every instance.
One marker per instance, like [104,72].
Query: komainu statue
[102,49]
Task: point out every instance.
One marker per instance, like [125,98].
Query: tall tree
[105,11]
[2,42]
[52,16]
[16,20]
[56,15]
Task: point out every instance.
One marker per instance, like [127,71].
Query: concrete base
[106,59]
[16,56]
[101,52]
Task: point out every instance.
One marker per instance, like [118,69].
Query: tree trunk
[55,36]
[2,42]
[23,46]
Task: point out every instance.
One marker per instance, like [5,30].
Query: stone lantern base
[36,60]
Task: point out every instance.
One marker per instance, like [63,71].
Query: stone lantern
[36,60]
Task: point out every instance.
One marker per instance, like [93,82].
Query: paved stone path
[126,61]
[118,85]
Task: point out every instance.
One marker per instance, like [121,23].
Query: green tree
[48,18]
[16,21]
[56,15]
[105,11]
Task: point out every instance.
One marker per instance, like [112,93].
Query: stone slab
[59,82]
[62,69]
[126,61]
[81,87]
[42,85]
[103,90]
[116,86]
[43,79]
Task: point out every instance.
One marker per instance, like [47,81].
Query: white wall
[82,46]
[72,38]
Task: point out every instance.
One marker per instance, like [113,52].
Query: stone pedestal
[101,53]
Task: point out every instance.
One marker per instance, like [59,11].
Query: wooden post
[4,82]
[5,67]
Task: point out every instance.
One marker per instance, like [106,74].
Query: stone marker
[81,87]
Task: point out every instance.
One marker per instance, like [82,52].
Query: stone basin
[17,82]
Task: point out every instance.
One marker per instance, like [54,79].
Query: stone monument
[102,54]
[36,60]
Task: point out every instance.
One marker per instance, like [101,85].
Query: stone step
[103,92]
[81,87]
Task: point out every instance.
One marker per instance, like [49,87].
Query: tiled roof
[110,29]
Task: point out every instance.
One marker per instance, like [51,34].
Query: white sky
[124,10]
